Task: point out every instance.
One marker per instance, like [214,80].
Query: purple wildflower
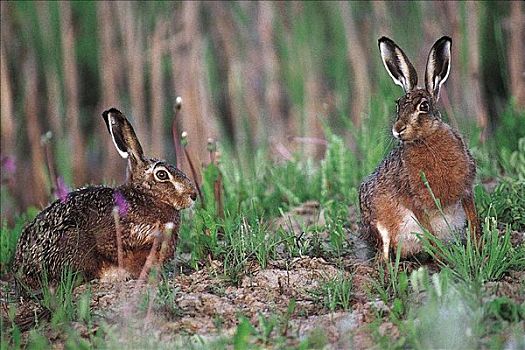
[9,165]
[120,203]
[62,189]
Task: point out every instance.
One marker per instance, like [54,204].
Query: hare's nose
[193,196]
[398,129]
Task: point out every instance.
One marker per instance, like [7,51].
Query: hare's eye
[162,175]
[424,107]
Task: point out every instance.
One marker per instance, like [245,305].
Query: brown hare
[394,200]
[79,231]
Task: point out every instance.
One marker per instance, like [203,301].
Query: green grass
[63,309]
[506,203]
[246,239]
[335,293]
[9,235]
[478,265]
[269,332]
[446,312]
[392,286]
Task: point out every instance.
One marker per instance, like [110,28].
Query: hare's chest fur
[142,233]
[445,164]
[444,225]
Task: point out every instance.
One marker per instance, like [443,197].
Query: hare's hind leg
[385,238]
[472,217]
[386,212]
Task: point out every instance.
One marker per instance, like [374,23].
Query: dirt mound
[202,303]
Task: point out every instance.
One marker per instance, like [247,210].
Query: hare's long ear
[124,137]
[397,64]
[438,66]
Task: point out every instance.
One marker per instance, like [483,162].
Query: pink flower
[120,203]
[62,189]
[9,165]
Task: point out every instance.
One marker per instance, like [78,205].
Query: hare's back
[385,178]
[381,184]
[52,229]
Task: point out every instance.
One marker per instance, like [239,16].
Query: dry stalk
[311,140]
[515,51]
[165,236]
[34,130]
[283,151]
[175,134]
[71,87]
[46,141]
[132,32]
[218,196]
[192,167]
[7,120]
[118,230]
[157,90]
[142,277]
[53,95]
[212,148]
[109,75]
[217,186]
[151,257]
[273,91]
[149,312]
[475,91]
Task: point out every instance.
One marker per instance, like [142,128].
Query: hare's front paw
[114,274]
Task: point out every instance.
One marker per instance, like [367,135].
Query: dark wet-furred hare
[394,200]
[79,231]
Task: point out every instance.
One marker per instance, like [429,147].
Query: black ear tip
[444,39]
[383,39]
[105,115]
[111,110]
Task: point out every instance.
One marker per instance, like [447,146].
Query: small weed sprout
[336,221]
[335,292]
[9,238]
[393,281]
[59,301]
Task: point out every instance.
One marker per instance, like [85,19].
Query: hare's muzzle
[185,200]
[399,130]
[189,197]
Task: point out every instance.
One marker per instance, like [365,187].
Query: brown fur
[430,146]
[79,232]
[448,167]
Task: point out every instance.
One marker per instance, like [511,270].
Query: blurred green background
[270,77]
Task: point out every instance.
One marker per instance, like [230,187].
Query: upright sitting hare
[394,200]
[79,231]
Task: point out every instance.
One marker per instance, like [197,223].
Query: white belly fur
[443,226]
